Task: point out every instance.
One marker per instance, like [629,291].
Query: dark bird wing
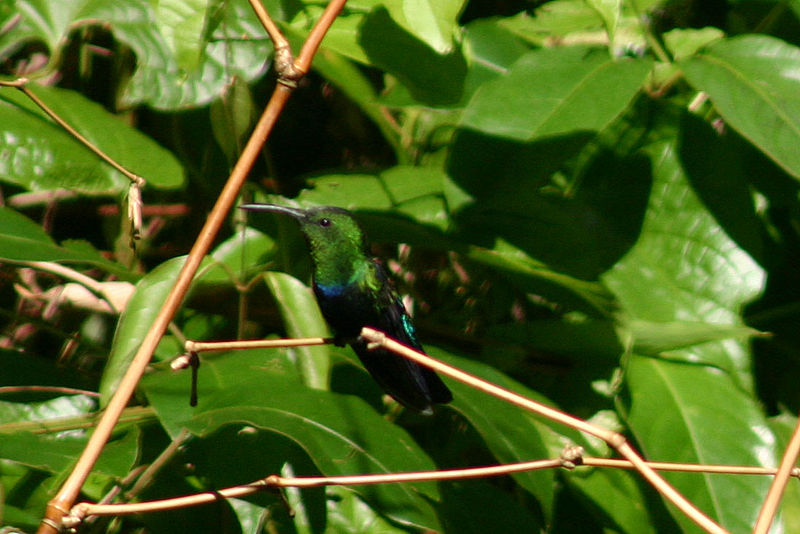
[410,383]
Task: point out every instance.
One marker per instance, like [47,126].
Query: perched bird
[353,291]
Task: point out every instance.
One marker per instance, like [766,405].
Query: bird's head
[333,235]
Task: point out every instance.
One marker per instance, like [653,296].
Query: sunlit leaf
[752,81]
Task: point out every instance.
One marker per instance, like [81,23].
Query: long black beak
[274,208]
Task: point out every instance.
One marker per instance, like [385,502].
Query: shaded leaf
[57,453]
[512,434]
[685,268]
[621,502]
[434,78]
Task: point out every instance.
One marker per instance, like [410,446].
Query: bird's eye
[324,222]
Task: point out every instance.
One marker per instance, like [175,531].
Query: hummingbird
[353,290]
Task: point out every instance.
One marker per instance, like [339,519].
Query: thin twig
[690,468]
[274,481]
[82,510]
[615,440]
[147,476]
[208,346]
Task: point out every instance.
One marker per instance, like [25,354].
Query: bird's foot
[375,340]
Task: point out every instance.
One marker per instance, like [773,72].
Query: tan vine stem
[770,506]
[615,440]
[209,346]
[59,506]
[83,510]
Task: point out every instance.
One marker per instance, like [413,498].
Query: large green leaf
[340,433]
[696,414]
[685,269]
[38,154]
[136,321]
[752,81]
[174,71]
[490,50]
[510,196]
[185,51]
[556,91]
[602,22]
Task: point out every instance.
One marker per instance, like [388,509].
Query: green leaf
[232,117]
[753,84]
[137,319]
[341,434]
[586,336]
[610,11]
[302,318]
[556,91]
[38,154]
[490,50]
[433,78]
[581,233]
[653,338]
[555,20]
[56,453]
[717,168]
[433,22]
[239,253]
[181,24]
[533,276]
[684,268]
[347,512]
[177,69]
[185,51]
[696,414]
[685,42]
[618,495]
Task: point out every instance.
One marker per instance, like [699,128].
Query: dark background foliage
[593,203]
